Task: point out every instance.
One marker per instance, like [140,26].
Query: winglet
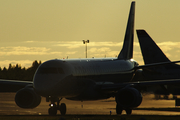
[150,51]
[127,50]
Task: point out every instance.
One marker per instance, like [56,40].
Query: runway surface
[100,107]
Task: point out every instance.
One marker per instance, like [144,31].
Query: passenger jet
[86,79]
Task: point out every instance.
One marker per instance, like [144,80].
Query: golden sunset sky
[48,29]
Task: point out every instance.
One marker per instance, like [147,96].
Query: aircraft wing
[12,85]
[154,65]
[138,84]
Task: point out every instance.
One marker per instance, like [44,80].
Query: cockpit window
[50,70]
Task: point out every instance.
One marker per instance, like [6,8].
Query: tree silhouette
[16,72]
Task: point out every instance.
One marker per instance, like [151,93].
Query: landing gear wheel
[55,107]
[63,109]
[52,111]
[128,111]
[119,109]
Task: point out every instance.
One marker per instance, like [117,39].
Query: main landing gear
[119,110]
[54,108]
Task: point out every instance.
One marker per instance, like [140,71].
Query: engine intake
[27,98]
[128,97]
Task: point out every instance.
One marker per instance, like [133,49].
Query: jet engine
[128,97]
[27,98]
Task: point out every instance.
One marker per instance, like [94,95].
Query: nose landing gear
[54,108]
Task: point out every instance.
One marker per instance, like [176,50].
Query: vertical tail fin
[150,51]
[127,50]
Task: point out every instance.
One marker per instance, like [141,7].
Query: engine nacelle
[128,97]
[27,98]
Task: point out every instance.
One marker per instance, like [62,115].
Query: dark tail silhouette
[127,50]
[150,51]
[153,54]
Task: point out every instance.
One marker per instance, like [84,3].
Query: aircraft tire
[63,109]
[119,109]
[128,111]
[52,111]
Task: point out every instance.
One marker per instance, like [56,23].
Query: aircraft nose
[48,75]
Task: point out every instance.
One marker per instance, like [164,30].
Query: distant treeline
[16,72]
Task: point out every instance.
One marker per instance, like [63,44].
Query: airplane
[153,54]
[86,79]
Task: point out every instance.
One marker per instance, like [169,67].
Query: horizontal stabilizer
[155,65]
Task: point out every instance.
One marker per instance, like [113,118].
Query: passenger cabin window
[51,70]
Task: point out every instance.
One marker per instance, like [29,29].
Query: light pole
[85,42]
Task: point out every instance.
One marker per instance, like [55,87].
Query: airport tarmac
[99,107]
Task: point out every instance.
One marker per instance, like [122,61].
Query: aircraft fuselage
[71,77]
